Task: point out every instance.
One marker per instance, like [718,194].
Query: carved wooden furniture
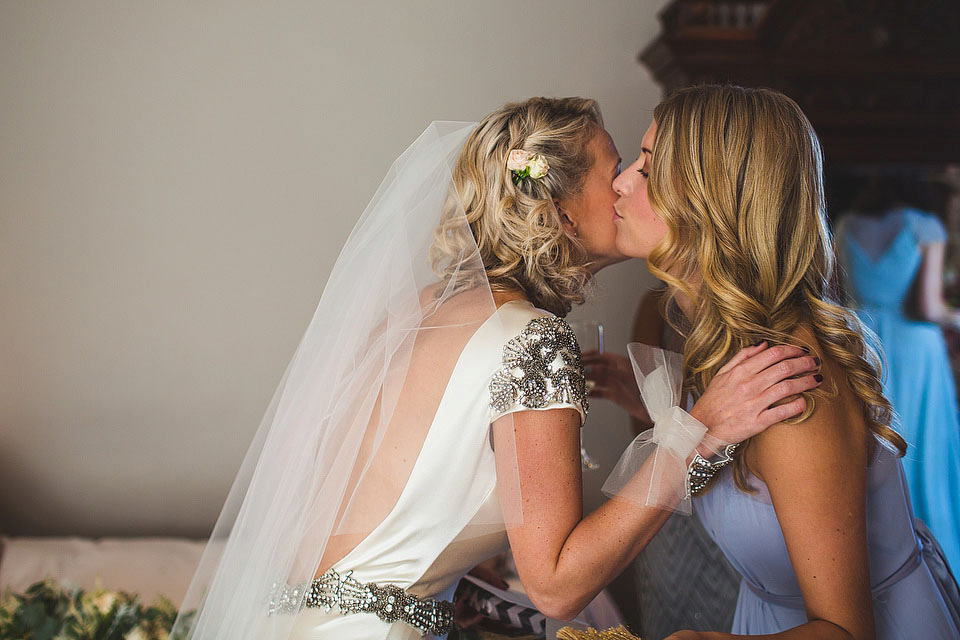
[879,79]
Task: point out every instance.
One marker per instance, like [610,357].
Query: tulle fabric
[346,424]
[652,471]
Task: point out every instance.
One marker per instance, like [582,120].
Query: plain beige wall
[176,180]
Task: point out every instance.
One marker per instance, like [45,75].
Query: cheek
[602,234]
[632,237]
[639,233]
[603,224]
[651,218]
[661,233]
[658,228]
[601,214]
[627,243]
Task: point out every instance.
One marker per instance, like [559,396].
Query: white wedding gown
[435,533]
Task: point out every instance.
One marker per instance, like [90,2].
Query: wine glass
[590,337]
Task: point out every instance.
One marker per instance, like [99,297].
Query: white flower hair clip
[524,164]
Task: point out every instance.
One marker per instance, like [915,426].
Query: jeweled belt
[388,601]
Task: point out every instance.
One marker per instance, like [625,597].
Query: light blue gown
[914,594]
[881,258]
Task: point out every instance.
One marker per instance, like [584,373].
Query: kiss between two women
[431,416]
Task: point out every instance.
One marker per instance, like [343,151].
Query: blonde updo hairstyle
[517,226]
[736,174]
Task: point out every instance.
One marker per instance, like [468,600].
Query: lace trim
[541,366]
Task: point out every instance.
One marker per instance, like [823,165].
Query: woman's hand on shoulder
[747,395]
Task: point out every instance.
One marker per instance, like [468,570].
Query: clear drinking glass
[590,337]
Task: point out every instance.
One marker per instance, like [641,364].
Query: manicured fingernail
[816,361]
[818,378]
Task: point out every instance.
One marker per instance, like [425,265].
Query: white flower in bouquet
[104,601]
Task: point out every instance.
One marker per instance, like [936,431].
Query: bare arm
[816,474]
[564,559]
[932,306]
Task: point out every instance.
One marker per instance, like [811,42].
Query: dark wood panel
[879,79]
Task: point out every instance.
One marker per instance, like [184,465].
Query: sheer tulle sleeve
[653,469]
[541,369]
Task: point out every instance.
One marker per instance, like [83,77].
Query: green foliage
[520,174]
[47,611]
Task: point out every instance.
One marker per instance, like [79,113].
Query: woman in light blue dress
[814,514]
[884,258]
[914,593]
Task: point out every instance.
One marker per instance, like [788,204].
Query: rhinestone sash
[389,602]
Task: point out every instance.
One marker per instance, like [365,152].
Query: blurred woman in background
[892,255]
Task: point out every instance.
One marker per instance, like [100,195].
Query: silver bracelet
[701,470]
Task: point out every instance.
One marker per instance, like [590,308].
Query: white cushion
[149,567]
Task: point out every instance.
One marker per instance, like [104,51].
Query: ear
[566,222]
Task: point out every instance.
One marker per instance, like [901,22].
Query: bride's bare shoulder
[468,305]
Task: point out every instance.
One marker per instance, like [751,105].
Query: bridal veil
[346,424]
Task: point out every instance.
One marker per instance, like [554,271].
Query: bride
[431,414]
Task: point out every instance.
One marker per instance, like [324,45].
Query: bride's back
[404,412]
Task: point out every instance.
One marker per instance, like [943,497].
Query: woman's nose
[621,185]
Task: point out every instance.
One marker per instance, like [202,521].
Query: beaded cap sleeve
[541,369]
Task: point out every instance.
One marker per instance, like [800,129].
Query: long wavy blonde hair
[517,227]
[736,173]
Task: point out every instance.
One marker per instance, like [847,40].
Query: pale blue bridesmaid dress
[914,593]
[881,258]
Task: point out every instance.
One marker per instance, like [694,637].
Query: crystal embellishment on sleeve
[541,365]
